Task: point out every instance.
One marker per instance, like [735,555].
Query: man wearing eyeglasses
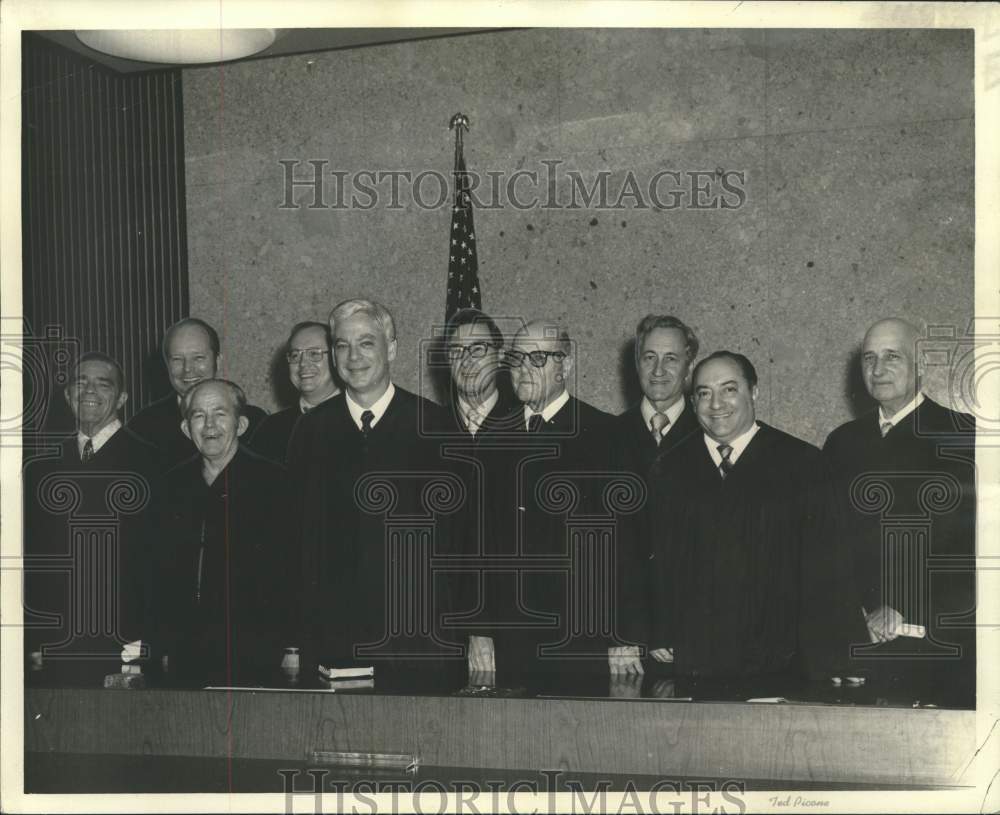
[563,441]
[483,411]
[309,368]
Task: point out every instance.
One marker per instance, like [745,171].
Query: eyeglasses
[311,354]
[537,358]
[476,350]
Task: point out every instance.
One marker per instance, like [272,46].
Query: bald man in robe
[560,451]
[920,456]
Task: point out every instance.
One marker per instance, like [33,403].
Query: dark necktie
[366,422]
[88,451]
[535,422]
[726,465]
[658,423]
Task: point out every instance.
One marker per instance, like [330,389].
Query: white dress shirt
[378,409]
[550,410]
[99,438]
[673,413]
[739,444]
[902,413]
[474,422]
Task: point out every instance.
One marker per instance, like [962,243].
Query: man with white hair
[922,455]
[224,583]
[360,465]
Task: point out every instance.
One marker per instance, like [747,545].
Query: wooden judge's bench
[175,739]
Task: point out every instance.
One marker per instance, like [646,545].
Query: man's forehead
[212,395]
[190,336]
[309,336]
[718,371]
[896,334]
[538,334]
[97,369]
[356,325]
[472,330]
[665,337]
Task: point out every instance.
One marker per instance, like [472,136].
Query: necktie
[535,422]
[657,423]
[472,421]
[88,451]
[885,427]
[725,466]
[366,422]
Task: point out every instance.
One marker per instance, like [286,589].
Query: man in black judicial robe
[743,514]
[645,434]
[373,502]
[103,471]
[192,352]
[482,413]
[307,353]
[560,469]
[226,567]
[920,457]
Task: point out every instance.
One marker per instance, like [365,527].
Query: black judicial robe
[922,476]
[108,501]
[373,514]
[226,570]
[736,562]
[484,528]
[274,433]
[159,424]
[558,476]
[634,451]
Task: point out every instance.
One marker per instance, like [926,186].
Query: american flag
[463,265]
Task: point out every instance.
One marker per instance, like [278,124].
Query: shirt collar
[902,413]
[739,444]
[99,438]
[550,410]
[378,409]
[483,410]
[305,407]
[673,412]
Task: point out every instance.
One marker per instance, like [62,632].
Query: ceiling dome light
[180,46]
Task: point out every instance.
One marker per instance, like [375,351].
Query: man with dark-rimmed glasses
[310,371]
[561,449]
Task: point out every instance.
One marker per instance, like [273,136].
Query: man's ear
[921,367]
[185,428]
[242,425]
[66,396]
[753,394]
[122,399]
[218,365]
[391,351]
[567,366]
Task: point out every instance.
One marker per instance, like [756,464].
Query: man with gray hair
[226,572]
[359,463]
[923,455]
[665,349]
[562,450]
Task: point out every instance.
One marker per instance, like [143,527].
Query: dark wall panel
[104,243]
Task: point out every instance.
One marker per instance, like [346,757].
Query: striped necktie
[726,465]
